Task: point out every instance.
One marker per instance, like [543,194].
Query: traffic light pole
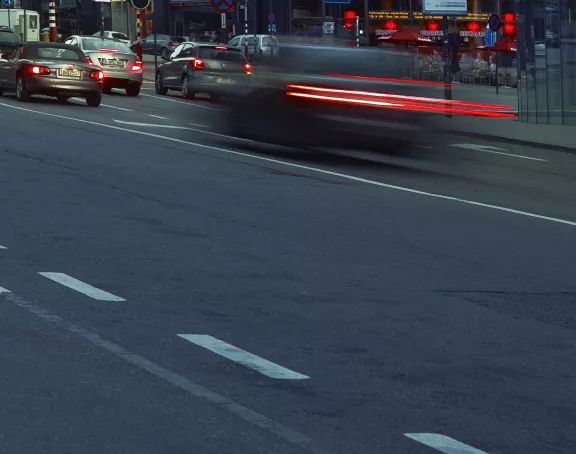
[140,23]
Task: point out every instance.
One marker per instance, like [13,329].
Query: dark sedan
[50,69]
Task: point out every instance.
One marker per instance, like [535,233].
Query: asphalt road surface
[165,289]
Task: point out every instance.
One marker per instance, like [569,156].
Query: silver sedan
[121,67]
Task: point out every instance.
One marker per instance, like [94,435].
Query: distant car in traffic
[9,40]
[121,67]
[165,44]
[204,68]
[51,69]
[114,35]
[264,45]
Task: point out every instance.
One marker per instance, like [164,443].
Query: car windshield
[119,36]
[215,53]
[8,37]
[52,52]
[91,44]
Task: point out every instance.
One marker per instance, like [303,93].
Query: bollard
[46,36]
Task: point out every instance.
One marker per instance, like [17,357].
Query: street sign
[445,7]
[271,18]
[223,20]
[490,37]
[140,4]
[223,6]
[8,3]
[271,28]
[494,22]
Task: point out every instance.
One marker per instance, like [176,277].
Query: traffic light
[349,19]
[509,25]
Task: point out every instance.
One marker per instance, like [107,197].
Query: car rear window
[90,44]
[7,37]
[52,52]
[269,42]
[119,36]
[213,53]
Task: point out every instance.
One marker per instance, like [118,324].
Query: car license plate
[113,62]
[73,73]
[225,80]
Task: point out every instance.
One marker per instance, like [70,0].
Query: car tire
[214,97]
[106,90]
[62,99]
[186,94]
[164,54]
[22,94]
[160,89]
[94,100]
[133,90]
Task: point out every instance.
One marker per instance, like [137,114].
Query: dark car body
[340,97]
[217,70]
[51,69]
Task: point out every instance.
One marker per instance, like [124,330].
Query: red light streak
[388,79]
[401,106]
[401,97]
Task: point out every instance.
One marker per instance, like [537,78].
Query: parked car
[9,40]
[265,45]
[165,44]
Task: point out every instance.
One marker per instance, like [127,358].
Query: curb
[495,137]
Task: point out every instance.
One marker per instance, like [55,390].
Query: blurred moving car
[9,40]
[51,69]
[340,97]
[265,45]
[164,46]
[121,67]
[114,35]
[205,68]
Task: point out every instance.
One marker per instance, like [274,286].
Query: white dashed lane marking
[4,290]
[158,116]
[243,357]
[444,444]
[82,287]
[2,247]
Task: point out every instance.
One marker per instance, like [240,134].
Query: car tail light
[89,60]
[40,70]
[221,48]
[112,51]
[198,64]
[98,75]
[136,66]
[248,68]
[171,44]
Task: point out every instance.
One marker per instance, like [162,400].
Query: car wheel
[164,53]
[106,89]
[22,94]
[133,90]
[160,89]
[62,99]
[186,94]
[214,97]
[94,100]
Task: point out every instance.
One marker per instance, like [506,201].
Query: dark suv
[9,40]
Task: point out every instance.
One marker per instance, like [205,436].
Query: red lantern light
[473,27]
[509,29]
[509,17]
[433,26]
[390,25]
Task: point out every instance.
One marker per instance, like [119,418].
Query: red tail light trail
[40,70]
[136,66]
[198,64]
[110,51]
[248,68]
[89,60]
[98,75]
